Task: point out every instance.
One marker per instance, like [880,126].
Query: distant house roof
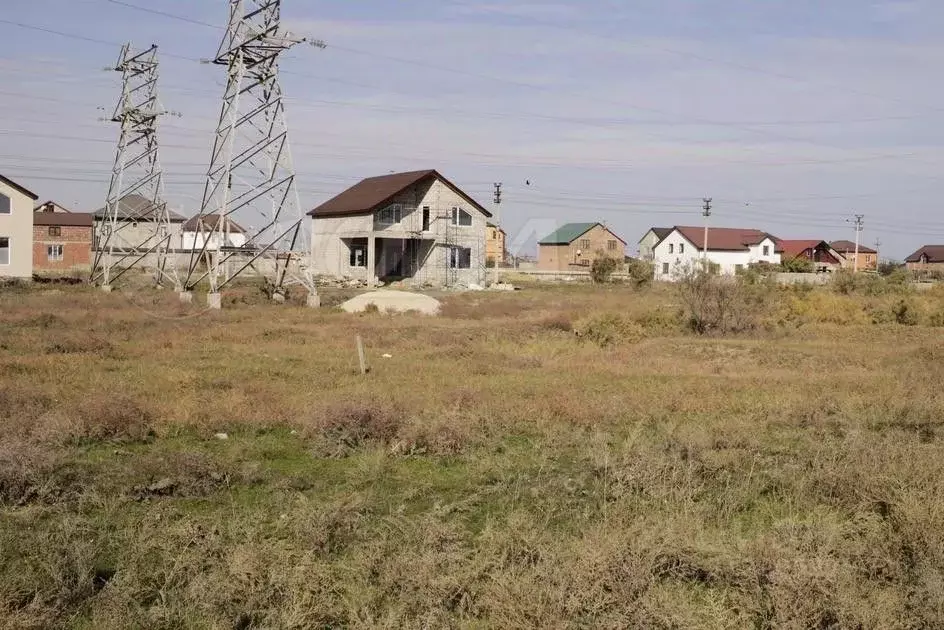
[934,253]
[570,232]
[374,193]
[137,208]
[848,247]
[211,222]
[794,248]
[51,204]
[724,239]
[660,232]
[13,184]
[63,219]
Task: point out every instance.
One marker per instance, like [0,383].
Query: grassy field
[497,470]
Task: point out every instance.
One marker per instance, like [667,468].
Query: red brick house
[62,240]
[929,258]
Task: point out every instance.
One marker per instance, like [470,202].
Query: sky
[792,115]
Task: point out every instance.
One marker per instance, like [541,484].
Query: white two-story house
[729,250]
[16,230]
[416,226]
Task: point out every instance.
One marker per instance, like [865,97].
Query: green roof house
[574,247]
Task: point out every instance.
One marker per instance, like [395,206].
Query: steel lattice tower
[251,177]
[137,221]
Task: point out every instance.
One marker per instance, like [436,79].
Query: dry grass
[498,470]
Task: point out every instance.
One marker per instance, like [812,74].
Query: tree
[640,272]
[797,265]
[602,268]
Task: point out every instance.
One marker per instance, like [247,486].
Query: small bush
[720,305]
[609,329]
[118,417]
[352,424]
[559,322]
[797,265]
[602,268]
[640,272]
[844,282]
[822,307]
[906,313]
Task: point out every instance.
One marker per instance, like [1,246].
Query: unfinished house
[417,227]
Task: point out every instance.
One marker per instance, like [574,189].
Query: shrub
[823,307]
[609,329]
[844,282]
[115,417]
[349,425]
[797,265]
[721,305]
[602,268]
[888,267]
[906,313]
[640,272]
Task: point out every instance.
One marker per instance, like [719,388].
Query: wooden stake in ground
[361,356]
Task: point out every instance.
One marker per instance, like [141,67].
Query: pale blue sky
[792,114]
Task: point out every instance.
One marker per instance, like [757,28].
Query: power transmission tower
[136,223]
[251,175]
[501,253]
[859,222]
[706,212]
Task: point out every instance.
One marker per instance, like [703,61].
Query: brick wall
[76,248]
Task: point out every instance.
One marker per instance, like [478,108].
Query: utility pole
[878,246]
[706,212]
[136,220]
[501,253]
[251,172]
[858,221]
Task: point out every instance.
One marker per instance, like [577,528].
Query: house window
[55,230]
[611,245]
[54,253]
[766,250]
[681,248]
[391,215]
[426,218]
[585,262]
[358,256]
[460,258]
[671,248]
[5,204]
[585,244]
[461,218]
[665,269]
[4,250]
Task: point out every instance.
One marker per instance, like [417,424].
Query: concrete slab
[398,301]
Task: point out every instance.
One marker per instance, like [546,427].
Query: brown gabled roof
[41,207]
[210,223]
[724,239]
[374,193]
[935,254]
[63,219]
[793,248]
[848,247]
[13,184]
